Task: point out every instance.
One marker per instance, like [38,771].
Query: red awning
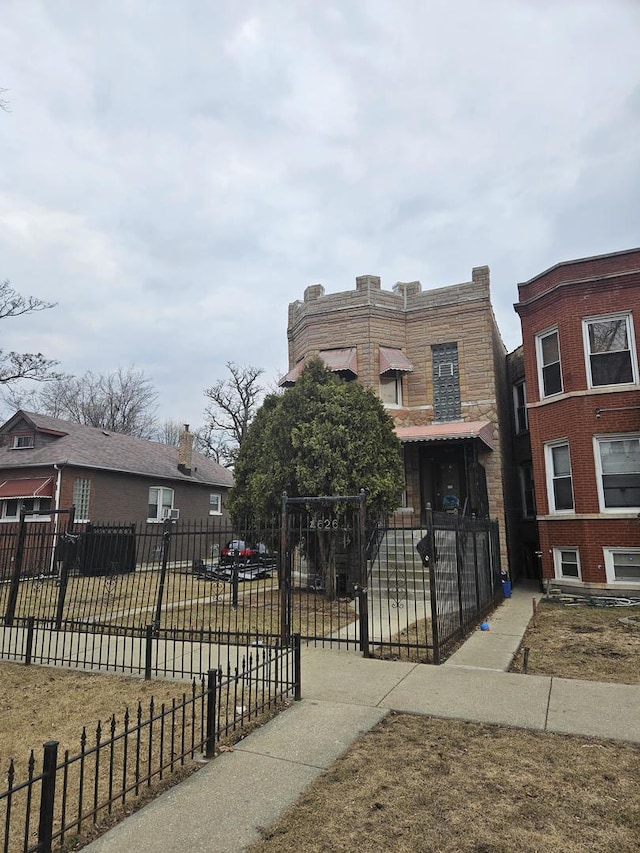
[35,487]
[341,360]
[292,375]
[481,430]
[394,360]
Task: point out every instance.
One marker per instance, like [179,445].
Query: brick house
[580,323]
[47,463]
[437,361]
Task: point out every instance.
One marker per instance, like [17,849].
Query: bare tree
[169,432]
[15,366]
[123,401]
[233,404]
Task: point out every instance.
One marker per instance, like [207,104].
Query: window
[81,492]
[567,563]
[33,506]
[160,499]
[559,485]
[520,407]
[610,351]
[22,441]
[446,382]
[215,503]
[622,565]
[618,464]
[549,372]
[527,494]
[391,389]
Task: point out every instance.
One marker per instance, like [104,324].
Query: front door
[442,479]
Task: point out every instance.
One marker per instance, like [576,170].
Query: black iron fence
[61,796]
[318,571]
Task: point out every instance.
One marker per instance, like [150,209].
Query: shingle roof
[86,446]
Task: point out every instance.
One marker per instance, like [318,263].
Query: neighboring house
[47,463]
[580,324]
[437,361]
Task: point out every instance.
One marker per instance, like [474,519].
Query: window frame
[627,316]
[523,489]
[217,495]
[551,477]
[608,554]
[29,516]
[396,376]
[540,336]
[520,407]
[160,505]
[18,446]
[77,488]
[597,439]
[558,563]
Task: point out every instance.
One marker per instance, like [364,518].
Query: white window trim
[14,518]
[557,563]
[539,336]
[214,511]
[628,316]
[617,510]
[18,446]
[161,505]
[608,565]
[548,464]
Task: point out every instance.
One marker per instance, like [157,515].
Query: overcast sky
[174,172]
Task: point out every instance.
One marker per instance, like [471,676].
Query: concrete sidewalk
[222,807]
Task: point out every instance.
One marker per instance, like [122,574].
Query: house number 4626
[323,524]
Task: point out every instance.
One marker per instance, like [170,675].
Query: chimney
[185,451]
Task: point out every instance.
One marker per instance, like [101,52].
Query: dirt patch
[587,642]
[422,784]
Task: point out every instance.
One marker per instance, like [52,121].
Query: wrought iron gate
[323,570]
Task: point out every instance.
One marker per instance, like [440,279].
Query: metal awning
[337,360]
[461,431]
[341,360]
[34,487]
[294,374]
[394,360]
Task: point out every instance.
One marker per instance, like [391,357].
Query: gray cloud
[174,178]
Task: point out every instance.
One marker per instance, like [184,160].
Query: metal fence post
[166,547]
[363,593]
[297,667]
[210,742]
[285,574]
[29,650]
[12,599]
[433,594]
[47,799]
[148,649]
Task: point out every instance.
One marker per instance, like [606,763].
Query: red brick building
[580,324]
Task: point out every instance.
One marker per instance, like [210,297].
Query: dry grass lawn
[417,784]
[584,642]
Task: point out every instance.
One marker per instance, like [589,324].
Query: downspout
[56,507]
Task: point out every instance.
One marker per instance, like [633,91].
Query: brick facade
[562,298]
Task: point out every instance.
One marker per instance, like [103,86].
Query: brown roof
[89,447]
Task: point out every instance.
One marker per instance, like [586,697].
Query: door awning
[34,487]
[468,430]
[341,360]
[394,360]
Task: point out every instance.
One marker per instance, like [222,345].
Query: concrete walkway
[221,808]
